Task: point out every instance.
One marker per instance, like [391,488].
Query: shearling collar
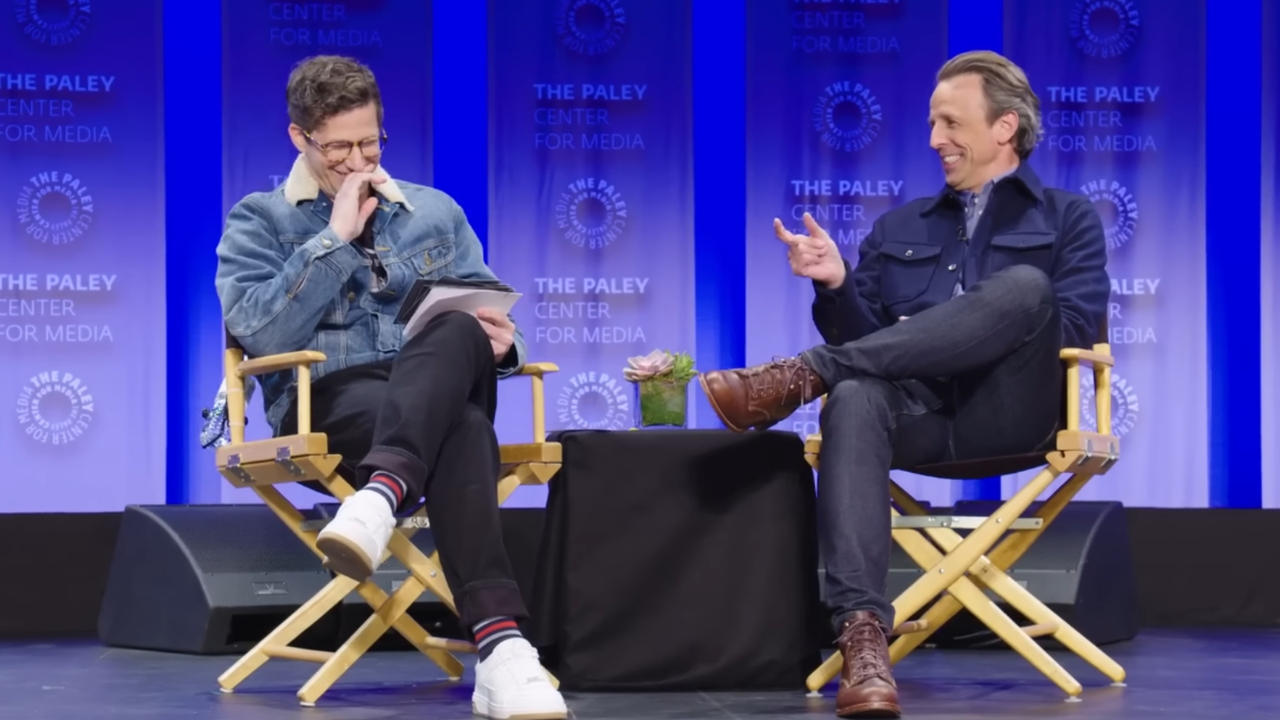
[301,185]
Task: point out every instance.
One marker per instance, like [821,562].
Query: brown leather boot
[867,688]
[760,396]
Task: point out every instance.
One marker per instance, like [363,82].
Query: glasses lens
[336,152]
[372,149]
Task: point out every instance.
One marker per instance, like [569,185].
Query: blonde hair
[1007,90]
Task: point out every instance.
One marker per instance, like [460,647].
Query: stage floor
[1172,674]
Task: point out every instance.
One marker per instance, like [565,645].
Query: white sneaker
[354,541]
[511,685]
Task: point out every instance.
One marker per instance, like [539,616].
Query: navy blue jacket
[916,253]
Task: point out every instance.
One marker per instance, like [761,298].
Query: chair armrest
[237,369]
[275,363]
[1087,356]
[535,371]
[1101,360]
[538,369]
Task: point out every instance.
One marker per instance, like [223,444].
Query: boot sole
[870,710]
[343,557]
[712,399]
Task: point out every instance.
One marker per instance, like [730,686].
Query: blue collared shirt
[974,204]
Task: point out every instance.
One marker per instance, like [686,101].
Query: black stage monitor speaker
[1081,567]
[207,579]
[218,578]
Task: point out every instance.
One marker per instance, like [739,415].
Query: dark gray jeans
[976,376]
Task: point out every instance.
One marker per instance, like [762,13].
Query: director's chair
[958,569]
[262,464]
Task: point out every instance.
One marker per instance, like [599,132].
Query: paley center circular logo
[594,401]
[1124,404]
[55,208]
[1117,207]
[52,23]
[591,213]
[591,27]
[1104,28]
[55,408]
[847,115]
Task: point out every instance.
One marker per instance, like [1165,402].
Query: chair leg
[925,555]
[286,632]
[360,642]
[439,650]
[976,602]
[1039,613]
[935,617]
[991,574]
[425,569]
[389,611]
[965,592]
[942,573]
[1015,545]
[825,672]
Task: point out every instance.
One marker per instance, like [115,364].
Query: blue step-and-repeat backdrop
[591,204]
[82,260]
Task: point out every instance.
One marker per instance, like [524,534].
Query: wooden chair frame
[260,465]
[959,568]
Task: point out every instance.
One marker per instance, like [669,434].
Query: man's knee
[861,400]
[454,326]
[455,321]
[1029,283]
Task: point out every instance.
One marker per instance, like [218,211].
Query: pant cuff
[819,365]
[484,599]
[839,616]
[400,463]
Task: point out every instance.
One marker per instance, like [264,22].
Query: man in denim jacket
[942,343]
[323,263]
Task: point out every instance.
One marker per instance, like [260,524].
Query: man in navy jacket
[942,343]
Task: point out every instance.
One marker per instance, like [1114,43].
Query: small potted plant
[662,381]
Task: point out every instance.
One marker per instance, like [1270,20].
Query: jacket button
[909,253]
[952,267]
[351,297]
[326,242]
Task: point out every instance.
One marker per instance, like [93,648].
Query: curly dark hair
[322,86]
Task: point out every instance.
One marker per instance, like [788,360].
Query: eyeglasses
[339,150]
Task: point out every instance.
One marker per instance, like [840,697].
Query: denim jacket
[287,283]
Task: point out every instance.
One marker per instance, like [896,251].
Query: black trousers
[976,376]
[427,417]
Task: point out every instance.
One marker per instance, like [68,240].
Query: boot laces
[766,381]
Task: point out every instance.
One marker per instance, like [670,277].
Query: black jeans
[977,376]
[427,417]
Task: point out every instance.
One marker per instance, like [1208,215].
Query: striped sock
[491,632]
[389,487]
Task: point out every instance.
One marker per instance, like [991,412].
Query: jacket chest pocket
[433,258]
[1031,247]
[906,270]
